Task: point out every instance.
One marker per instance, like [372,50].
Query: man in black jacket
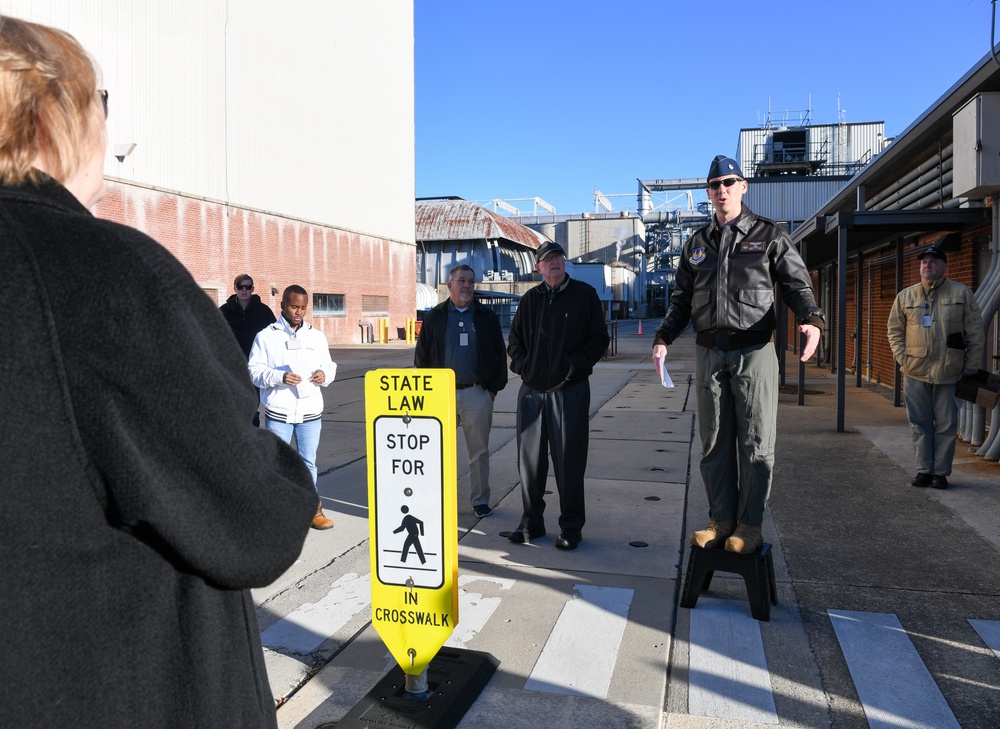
[246,315]
[724,287]
[557,336]
[463,335]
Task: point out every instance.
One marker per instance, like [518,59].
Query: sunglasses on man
[728,182]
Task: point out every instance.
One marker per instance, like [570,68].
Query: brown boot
[320,521]
[714,535]
[746,540]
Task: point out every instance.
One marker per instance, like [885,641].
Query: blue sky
[554,98]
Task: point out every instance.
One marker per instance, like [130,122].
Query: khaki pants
[474,408]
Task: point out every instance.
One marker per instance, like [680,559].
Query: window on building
[329,305]
[374,305]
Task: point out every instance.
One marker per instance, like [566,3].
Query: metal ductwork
[904,185]
[921,182]
[988,296]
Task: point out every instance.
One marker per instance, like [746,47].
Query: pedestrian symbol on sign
[414,530]
[408,468]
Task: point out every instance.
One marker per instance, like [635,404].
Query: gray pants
[474,408]
[556,423]
[933,417]
[737,393]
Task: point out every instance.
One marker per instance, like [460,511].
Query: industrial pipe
[903,182]
[988,297]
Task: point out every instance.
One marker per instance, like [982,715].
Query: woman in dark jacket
[139,503]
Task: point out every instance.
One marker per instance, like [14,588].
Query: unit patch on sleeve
[697,256]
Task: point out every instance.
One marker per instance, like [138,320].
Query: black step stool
[757,569]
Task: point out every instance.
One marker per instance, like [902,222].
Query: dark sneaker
[482,510]
[714,535]
[939,482]
[922,480]
[746,540]
[569,539]
[522,534]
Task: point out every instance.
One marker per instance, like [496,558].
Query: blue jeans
[306,438]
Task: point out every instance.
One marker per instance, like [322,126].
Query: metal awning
[819,238]
[837,237]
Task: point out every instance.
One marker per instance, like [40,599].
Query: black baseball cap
[934,252]
[546,249]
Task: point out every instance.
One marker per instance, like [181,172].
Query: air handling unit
[976,128]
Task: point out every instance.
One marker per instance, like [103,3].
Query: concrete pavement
[851,539]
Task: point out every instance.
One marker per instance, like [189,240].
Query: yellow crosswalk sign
[412,510]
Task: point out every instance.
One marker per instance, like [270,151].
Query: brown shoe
[320,521]
[714,535]
[746,540]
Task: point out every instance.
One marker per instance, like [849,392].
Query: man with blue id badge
[936,333]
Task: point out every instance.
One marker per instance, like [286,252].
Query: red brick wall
[878,292]
[962,267]
[218,242]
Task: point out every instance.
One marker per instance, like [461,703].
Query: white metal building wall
[790,199]
[304,109]
[842,144]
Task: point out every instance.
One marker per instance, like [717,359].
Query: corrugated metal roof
[464,220]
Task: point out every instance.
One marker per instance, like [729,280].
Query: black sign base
[455,678]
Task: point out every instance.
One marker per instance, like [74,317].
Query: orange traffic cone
[640,327]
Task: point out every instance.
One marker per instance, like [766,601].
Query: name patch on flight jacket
[752,246]
[697,256]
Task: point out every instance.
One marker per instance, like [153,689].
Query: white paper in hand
[664,375]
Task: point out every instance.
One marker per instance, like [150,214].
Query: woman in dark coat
[139,503]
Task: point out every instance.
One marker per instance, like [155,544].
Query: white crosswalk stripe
[474,610]
[989,631]
[728,677]
[894,685]
[304,629]
[579,656]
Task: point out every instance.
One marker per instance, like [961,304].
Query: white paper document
[305,388]
[664,375]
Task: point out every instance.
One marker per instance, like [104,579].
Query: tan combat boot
[714,535]
[320,521]
[746,540]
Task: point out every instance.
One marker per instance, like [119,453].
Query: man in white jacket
[289,362]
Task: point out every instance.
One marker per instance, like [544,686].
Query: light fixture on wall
[124,150]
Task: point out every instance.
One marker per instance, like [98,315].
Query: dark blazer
[139,503]
[490,349]
[245,323]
